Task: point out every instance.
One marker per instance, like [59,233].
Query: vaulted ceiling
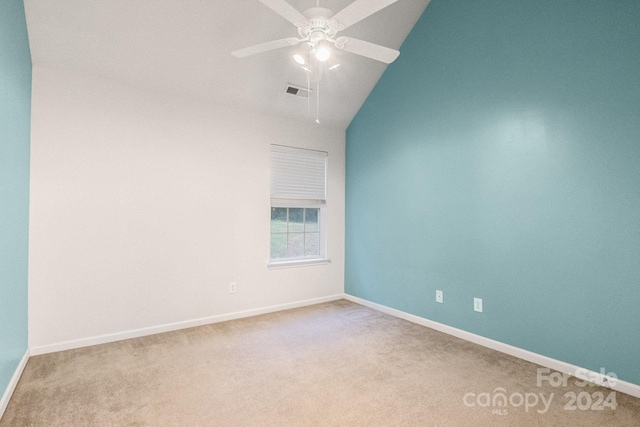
[184,46]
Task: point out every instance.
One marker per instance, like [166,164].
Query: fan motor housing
[318,26]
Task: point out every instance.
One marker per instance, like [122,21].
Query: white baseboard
[13,383]
[557,365]
[136,333]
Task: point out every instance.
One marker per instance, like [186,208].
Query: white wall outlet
[439,297]
[233,287]
[477,304]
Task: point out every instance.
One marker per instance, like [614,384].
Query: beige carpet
[333,364]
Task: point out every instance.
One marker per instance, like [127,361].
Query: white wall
[144,206]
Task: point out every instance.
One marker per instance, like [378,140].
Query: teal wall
[499,158]
[15,120]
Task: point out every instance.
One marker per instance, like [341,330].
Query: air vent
[301,92]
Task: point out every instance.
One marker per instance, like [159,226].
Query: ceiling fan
[319,27]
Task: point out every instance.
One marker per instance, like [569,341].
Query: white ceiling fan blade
[370,50]
[358,10]
[263,47]
[284,9]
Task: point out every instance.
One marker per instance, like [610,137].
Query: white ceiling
[183,46]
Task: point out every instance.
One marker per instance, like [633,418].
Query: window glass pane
[278,220]
[278,246]
[312,244]
[296,244]
[311,219]
[296,219]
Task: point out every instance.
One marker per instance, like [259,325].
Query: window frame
[320,204]
[321,258]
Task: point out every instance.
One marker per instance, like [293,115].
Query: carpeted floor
[332,364]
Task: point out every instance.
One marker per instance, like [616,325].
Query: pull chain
[318,101]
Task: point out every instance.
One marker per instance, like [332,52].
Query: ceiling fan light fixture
[318,28]
[322,53]
[299,59]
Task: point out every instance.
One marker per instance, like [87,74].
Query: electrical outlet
[439,297]
[233,287]
[477,304]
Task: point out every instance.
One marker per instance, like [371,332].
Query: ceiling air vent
[298,91]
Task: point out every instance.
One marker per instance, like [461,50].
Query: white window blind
[298,174]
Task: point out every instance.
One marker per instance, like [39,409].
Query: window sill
[297,263]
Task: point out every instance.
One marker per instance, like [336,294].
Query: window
[298,206]
[295,232]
